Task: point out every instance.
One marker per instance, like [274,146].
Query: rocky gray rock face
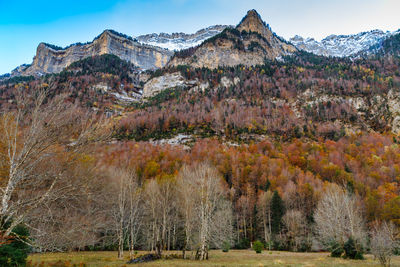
[169,80]
[179,41]
[50,59]
[341,45]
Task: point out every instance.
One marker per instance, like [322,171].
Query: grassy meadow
[217,259]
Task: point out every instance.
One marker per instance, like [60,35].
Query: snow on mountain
[341,45]
[179,41]
[333,45]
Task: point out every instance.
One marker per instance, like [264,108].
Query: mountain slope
[250,43]
[52,59]
[388,47]
[342,45]
[179,41]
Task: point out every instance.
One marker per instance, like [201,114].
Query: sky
[26,23]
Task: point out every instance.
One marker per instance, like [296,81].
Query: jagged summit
[253,22]
[342,45]
[250,43]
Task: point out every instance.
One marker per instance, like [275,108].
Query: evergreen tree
[277,212]
[14,249]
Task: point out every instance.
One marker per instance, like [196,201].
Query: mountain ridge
[153,51]
[250,43]
[53,59]
[179,41]
[342,45]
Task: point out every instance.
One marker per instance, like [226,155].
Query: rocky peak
[341,45]
[249,44]
[253,22]
[297,38]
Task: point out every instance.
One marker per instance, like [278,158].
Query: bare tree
[338,217]
[126,210]
[167,201]
[153,216]
[222,225]
[212,214]
[187,206]
[383,242]
[135,211]
[264,215]
[35,135]
[120,209]
[161,213]
[295,223]
[76,218]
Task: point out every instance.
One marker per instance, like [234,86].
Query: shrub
[351,251]
[244,243]
[15,251]
[279,244]
[258,246]
[226,246]
[336,250]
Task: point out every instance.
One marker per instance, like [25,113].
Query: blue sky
[26,23]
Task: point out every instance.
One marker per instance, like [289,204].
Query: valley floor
[217,258]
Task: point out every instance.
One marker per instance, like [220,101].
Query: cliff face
[51,60]
[250,43]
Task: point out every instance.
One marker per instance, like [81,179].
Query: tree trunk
[270,230]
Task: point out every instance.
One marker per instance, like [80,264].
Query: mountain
[53,59]
[388,47]
[342,45]
[179,41]
[250,43]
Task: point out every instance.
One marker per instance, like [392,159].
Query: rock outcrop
[169,80]
[250,43]
[50,59]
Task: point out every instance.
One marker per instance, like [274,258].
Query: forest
[257,174]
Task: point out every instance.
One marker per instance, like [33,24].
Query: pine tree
[277,212]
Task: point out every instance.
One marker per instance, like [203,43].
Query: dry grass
[217,258]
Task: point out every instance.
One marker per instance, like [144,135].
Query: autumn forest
[298,154]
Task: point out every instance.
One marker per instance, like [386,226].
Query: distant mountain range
[210,47]
[179,41]
[342,45]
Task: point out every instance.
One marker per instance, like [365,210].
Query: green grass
[235,258]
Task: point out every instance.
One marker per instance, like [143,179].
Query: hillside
[306,95]
[99,82]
